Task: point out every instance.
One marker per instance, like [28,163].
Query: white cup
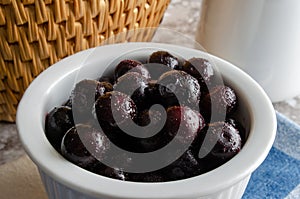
[262,37]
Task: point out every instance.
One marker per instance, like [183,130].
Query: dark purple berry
[153,122]
[165,58]
[117,166]
[141,69]
[118,137]
[152,95]
[147,177]
[185,167]
[126,66]
[225,141]
[156,70]
[107,78]
[239,126]
[83,98]
[58,121]
[84,146]
[114,173]
[150,118]
[179,88]
[132,84]
[150,138]
[115,108]
[221,101]
[102,88]
[184,123]
[201,69]
[120,160]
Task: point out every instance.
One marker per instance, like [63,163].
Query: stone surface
[10,145]
[183,16]
[290,108]
[20,180]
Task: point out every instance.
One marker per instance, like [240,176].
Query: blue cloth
[279,175]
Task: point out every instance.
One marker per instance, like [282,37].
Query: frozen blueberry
[179,88]
[165,58]
[115,108]
[184,123]
[83,98]
[221,101]
[199,68]
[84,146]
[223,142]
[131,66]
[185,167]
[132,84]
[58,121]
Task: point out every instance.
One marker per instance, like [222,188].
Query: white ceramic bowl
[64,180]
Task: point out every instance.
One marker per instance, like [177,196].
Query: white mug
[262,37]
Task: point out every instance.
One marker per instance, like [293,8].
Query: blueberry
[225,142]
[201,69]
[155,138]
[83,98]
[58,121]
[239,126]
[165,58]
[189,121]
[115,173]
[147,177]
[115,108]
[84,146]
[107,78]
[102,88]
[132,84]
[179,88]
[152,95]
[224,100]
[184,167]
[128,65]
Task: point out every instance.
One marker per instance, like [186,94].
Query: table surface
[186,22]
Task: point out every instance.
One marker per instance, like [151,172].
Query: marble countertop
[186,22]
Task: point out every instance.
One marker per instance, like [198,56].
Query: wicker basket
[35,34]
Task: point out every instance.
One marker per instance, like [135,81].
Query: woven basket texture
[35,34]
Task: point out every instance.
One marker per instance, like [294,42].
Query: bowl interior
[54,86]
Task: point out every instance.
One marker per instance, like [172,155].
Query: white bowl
[64,180]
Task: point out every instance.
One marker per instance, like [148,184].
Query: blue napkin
[279,175]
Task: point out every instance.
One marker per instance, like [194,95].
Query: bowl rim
[262,135]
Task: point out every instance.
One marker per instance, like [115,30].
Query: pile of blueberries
[83,129]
